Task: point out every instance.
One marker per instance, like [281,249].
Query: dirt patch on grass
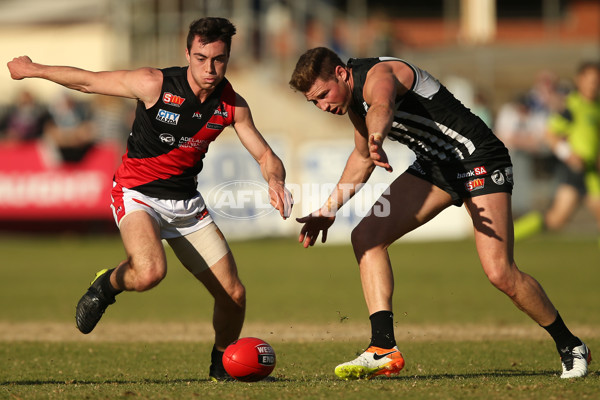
[277,332]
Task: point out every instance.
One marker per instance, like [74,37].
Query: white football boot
[374,361]
[575,361]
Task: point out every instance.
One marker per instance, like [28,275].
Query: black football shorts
[468,178]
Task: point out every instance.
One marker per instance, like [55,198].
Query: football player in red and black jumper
[180,111]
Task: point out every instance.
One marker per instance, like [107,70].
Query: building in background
[483,49]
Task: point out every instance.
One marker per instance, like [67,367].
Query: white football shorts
[185,224]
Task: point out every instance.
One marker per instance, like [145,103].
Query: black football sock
[561,334]
[107,287]
[216,357]
[382,329]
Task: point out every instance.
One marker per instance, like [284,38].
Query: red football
[249,359]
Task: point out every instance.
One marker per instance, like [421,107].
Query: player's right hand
[18,67]
[314,224]
[377,153]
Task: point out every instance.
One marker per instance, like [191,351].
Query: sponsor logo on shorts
[217,127]
[498,177]
[477,171]
[167,138]
[508,171]
[167,117]
[174,100]
[202,214]
[417,167]
[475,184]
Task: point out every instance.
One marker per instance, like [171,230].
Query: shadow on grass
[32,382]
[431,377]
[477,375]
[503,373]
[491,374]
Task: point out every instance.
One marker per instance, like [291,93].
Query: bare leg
[223,283]
[492,222]
[593,203]
[206,255]
[146,263]
[412,202]
[563,206]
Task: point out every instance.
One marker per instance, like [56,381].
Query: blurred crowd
[522,125]
[66,125]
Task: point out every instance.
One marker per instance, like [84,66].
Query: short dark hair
[211,29]
[585,65]
[319,62]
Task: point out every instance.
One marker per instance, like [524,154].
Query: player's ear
[341,73]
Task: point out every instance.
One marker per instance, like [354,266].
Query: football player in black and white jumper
[458,161]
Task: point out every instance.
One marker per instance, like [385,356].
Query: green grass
[435,282]
[440,283]
[497,370]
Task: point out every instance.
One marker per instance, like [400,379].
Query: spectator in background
[521,124]
[481,108]
[574,136]
[69,128]
[547,94]
[112,118]
[23,120]
[520,127]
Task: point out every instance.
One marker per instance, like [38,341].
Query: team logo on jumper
[217,127]
[167,117]
[498,177]
[167,138]
[475,184]
[197,115]
[222,113]
[187,142]
[474,172]
[172,99]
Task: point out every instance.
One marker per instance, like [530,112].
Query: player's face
[331,96]
[588,83]
[208,63]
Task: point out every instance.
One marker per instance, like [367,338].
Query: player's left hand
[377,153]
[281,198]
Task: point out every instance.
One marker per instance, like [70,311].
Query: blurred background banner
[33,187]
[507,60]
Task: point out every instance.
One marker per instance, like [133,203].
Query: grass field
[461,338]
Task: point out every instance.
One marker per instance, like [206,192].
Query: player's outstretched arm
[143,84]
[270,164]
[357,171]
